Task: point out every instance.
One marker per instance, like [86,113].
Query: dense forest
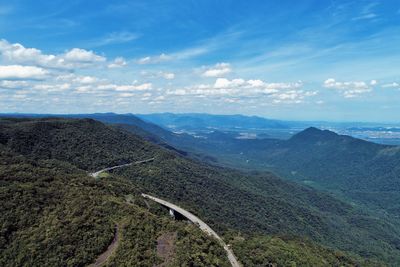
[358,171]
[53,213]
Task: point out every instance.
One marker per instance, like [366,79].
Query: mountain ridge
[225,198]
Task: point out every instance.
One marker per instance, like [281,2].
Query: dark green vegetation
[289,252]
[54,214]
[360,171]
[87,144]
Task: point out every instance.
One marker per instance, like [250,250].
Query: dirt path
[166,248]
[102,258]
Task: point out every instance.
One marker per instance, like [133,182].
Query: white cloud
[126,88]
[126,95]
[367,12]
[225,83]
[119,62]
[116,38]
[79,55]
[219,70]
[6,84]
[15,72]
[74,58]
[177,92]
[85,79]
[167,75]
[391,85]
[154,59]
[161,74]
[365,17]
[52,87]
[17,53]
[159,98]
[350,89]
[240,88]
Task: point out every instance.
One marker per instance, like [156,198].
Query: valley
[240,206]
[167,133]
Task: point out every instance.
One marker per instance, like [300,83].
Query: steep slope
[359,170]
[226,199]
[54,214]
[88,144]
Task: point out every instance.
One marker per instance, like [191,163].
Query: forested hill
[339,161]
[85,143]
[54,214]
[360,170]
[259,204]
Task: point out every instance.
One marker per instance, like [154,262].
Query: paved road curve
[203,226]
[96,174]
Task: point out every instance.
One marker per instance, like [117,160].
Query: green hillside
[51,204]
[359,171]
[53,214]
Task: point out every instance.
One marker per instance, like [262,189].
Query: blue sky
[300,60]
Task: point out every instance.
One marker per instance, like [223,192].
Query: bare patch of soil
[102,258]
[166,248]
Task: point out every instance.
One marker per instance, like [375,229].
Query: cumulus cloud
[225,83]
[350,89]
[16,72]
[219,70]
[74,58]
[82,56]
[17,53]
[240,88]
[119,62]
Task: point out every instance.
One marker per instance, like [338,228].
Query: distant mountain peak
[314,134]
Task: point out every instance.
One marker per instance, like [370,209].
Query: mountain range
[250,208]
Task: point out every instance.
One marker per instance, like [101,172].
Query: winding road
[191,217]
[96,174]
[202,225]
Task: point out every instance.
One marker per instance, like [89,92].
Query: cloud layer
[350,89]
[79,77]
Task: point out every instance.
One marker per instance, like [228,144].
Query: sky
[334,60]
